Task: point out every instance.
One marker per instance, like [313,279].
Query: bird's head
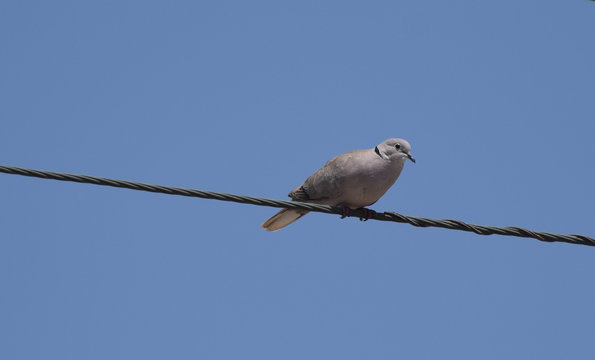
[395,148]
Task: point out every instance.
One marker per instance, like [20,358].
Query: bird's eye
[398,146]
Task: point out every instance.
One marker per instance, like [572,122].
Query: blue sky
[496,99]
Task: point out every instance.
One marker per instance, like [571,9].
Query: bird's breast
[366,187]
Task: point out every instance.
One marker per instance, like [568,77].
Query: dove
[352,180]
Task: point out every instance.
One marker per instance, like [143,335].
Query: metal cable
[385,216]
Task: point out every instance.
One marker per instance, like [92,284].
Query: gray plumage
[355,179]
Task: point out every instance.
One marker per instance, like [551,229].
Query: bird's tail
[283,218]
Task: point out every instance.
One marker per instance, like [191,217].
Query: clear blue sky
[250,97]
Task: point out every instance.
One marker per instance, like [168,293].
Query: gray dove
[352,180]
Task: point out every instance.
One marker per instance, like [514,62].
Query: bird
[352,180]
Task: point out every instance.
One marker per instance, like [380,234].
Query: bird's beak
[411,158]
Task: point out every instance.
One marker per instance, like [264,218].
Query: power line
[385,216]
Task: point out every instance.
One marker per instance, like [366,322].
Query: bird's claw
[366,213]
[346,212]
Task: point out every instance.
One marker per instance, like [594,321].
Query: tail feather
[283,218]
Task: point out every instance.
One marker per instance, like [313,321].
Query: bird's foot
[367,214]
[346,212]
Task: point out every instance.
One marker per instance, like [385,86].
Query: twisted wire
[385,216]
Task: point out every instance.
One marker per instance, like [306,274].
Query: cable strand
[385,216]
